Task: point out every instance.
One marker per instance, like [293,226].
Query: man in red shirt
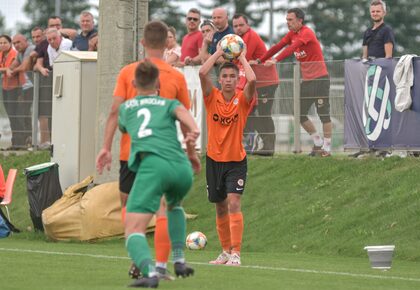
[191,43]
[260,119]
[226,165]
[302,42]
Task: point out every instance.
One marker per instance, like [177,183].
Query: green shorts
[157,176]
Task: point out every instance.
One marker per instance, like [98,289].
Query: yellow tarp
[86,216]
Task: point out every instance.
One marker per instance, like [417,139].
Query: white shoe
[235,260]
[222,259]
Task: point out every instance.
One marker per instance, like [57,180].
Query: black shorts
[224,178]
[126,177]
[315,91]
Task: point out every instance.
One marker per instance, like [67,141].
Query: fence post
[296,107]
[35,111]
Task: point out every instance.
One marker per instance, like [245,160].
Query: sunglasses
[192,19]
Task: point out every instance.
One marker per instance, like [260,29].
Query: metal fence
[26,124]
[25,114]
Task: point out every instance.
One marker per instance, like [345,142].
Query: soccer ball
[232,46]
[196,241]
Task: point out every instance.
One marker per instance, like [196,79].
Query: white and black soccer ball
[196,241]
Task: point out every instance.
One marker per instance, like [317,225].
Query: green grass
[301,214]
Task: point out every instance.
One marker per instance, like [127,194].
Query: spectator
[173,50]
[57,22]
[378,40]
[11,88]
[191,43]
[260,119]
[93,42]
[301,41]
[221,22]
[20,66]
[57,44]
[42,65]
[81,42]
[207,29]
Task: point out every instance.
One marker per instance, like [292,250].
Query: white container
[380,257]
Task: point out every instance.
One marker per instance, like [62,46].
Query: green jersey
[150,122]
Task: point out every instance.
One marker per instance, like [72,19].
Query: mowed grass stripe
[253,267]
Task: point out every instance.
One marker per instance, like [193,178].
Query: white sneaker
[223,258]
[234,260]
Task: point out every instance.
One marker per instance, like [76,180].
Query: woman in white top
[172,52]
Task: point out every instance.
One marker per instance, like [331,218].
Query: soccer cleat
[234,260]
[222,259]
[183,270]
[316,151]
[145,282]
[163,274]
[134,272]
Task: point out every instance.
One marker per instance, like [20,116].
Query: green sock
[177,230]
[139,252]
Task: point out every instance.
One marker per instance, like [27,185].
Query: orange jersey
[225,125]
[172,85]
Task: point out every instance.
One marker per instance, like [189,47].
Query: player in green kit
[161,167]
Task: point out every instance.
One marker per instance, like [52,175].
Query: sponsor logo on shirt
[300,54]
[226,121]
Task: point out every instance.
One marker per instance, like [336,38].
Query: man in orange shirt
[172,86]
[226,164]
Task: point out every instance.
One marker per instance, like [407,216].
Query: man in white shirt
[57,44]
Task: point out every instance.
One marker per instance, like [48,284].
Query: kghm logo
[377,106]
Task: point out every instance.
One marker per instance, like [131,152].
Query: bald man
[21,65]
[221,22]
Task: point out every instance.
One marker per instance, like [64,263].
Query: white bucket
[380,257]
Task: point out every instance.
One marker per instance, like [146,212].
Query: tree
[168,12]
[38,11]
[340,24]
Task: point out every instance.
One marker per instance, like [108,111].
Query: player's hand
[270,62]
[104,159]
[242,56]
[191,137]
[219,50]
[195,163]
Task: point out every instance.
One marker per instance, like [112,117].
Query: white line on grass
[206,264]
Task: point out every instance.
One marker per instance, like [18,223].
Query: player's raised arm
[206,83]
[249,89]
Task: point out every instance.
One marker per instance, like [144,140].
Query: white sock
[327,144]
[161,265]
[317,139]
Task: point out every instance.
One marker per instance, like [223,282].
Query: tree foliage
[340,24]
[38,11]
[168,12]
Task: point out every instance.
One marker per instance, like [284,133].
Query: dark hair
[298,12]
[37,28]
[156,34]
[9,39]
[239,15]
[55,17]
[146,74]
[227,65]
[194,10]
[207,22]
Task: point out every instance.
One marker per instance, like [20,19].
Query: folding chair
[8,188]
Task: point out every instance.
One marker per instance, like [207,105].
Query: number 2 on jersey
[143,130]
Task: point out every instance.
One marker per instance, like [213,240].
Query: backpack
[4,229]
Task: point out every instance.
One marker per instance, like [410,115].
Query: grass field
[306,223]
